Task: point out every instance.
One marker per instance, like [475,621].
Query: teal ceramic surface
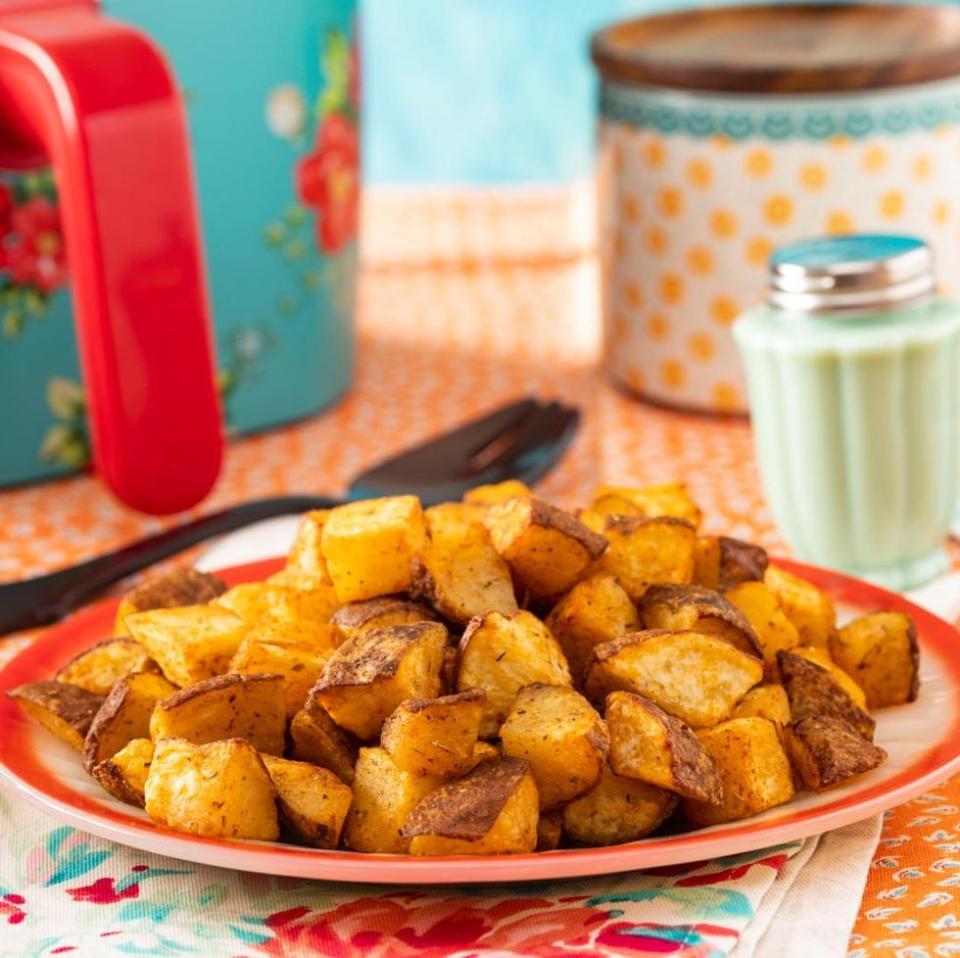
[272,97]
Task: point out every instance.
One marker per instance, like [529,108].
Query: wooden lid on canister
[802,48]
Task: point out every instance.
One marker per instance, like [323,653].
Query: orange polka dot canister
[725,133]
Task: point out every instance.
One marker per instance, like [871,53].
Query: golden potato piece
[371,674]
[648,744]
[369,546]
[217,790]
[813,692]
[595,610]
[317,739]
[124,715]
[191,643]
[379,613]
[721,562]
[493,493]
[312,802]
[483,752]
[774,631]
[692,608]
[826,751]
[492,811]
[306,553]
[259,601]
[754,771]
[617,809]
[124,776]
[548,549]
[644,552]
[251,707]
[697,678]
[766,701]
[66,711]
[822,657]
[880,652]
[500,654]
[455,514]
[559,733]
[178,587]
[435,736]
[809,609]
[671,499]
[100,667]
[383,797]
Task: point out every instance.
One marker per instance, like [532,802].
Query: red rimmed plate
[923,740]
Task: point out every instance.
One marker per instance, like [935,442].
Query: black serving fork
[523,440]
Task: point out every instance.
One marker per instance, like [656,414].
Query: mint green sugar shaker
[853,373]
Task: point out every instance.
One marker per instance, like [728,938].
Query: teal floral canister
[272,95]
[853,367]
[727,132]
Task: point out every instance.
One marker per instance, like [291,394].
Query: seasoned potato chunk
[178,587]
[259,601]
[826,751]
[880,652]
[595,610]
[125,774]
[100,667]
[317,739]
[218,790]
[124,715]
[548,549]
[369,546]
[560,734]
[774,631]
[822,657]
[754,771]
[721,562]
[379,613]
[809,609]
[435,736]
[306,553]
[648,744]
[372,673]
[492,811]
[191,643]
[493,493]
[500,654]
[766,701]
[696,609]
[251,707]
[549,830]
[312,801]
[644,552]
[66,711]
[697,678]
[383,797]
[617,809]
[671,499]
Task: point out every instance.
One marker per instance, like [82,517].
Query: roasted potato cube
[217,790]
[312,801]
[306,553]
[644,552]
[460,573]
[383,797]
[380,613]
[189,644]
[721,562]
[492,811]
[125,775]
[66,711]
[258,601]
[483,752]
[697,678]
[826,751]
[595,610]
[317,739]
[766,701]
[369,546]
[559,733]
[455,513]
[435,736]
[648,744]
[372,673]
[251,707]
[774,631]
[811,611]
[100,667]
[549,830]
[500,654]
[670,499]
[754,771]
[548,549]
[820,655]
[124,715]
[617,809]
[693,608]
[813,692]
[178,587]
[595,517]
[880,652]
[493,493]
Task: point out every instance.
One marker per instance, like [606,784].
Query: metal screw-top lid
[850,274]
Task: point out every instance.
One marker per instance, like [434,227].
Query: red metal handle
[99,101]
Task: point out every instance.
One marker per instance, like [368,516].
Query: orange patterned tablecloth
[453,321]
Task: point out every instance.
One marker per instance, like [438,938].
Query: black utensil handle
[48,598]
